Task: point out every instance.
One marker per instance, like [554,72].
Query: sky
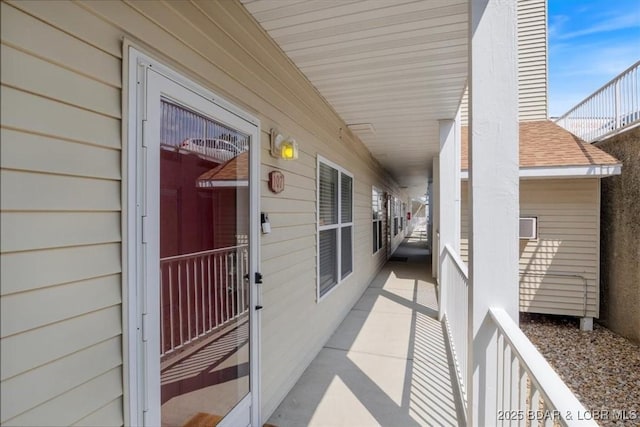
[590,42]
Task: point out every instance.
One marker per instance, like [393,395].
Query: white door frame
[141,375]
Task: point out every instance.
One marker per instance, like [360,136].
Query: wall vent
[361,128]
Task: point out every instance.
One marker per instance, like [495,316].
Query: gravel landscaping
[600,367]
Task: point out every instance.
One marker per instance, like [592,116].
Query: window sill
[319,299]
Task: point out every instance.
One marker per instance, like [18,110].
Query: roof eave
[573,171]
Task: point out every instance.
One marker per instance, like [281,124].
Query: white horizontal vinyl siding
[532,59]
[553,267]
[532,63]
[289,262]
[60,302]
[62,189]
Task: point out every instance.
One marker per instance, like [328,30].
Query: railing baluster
[180,303]
[635,87]
[506,376]
[215,291]
[232,278]
[196,303]
[534,399]
[500,373]
[188,302]
[171,303]
[547,416]
[514,385]
[463,321]
[202,293]
[239,283]
[240,277]
[226,286]
[223,293]
[617,112]
[245,283]
[162,315]
[523,390]
[209,288]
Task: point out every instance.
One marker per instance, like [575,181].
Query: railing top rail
[209,252]
[460,264]
[605,86]
[550,385]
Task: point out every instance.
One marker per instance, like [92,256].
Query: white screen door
[198,254]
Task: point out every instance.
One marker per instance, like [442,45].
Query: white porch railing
[528,392]
[200,293]
[613,107]
[454,299]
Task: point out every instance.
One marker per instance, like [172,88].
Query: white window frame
[535,228]
[380,196]
[396,217]
[339,226]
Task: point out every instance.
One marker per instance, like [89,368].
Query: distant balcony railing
[609,110]
[527,390]
[200,293]
[218,150]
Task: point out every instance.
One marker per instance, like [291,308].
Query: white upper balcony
[612,109]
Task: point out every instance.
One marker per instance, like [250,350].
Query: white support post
[447,184]
[435,252]
[493,180]
[457,179]
[430,212]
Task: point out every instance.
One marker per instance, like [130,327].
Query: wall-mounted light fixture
[283,148]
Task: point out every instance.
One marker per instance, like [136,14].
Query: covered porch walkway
[387,363]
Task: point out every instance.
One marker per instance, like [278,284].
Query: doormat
[399,258]
[208,420]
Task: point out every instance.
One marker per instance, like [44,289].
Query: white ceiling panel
[399,65]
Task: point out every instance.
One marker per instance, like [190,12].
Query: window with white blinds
[335,225]
[378,213]
[396,216]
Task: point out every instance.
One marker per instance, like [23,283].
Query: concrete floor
[386,364]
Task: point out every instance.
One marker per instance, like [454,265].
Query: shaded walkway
[386,364]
